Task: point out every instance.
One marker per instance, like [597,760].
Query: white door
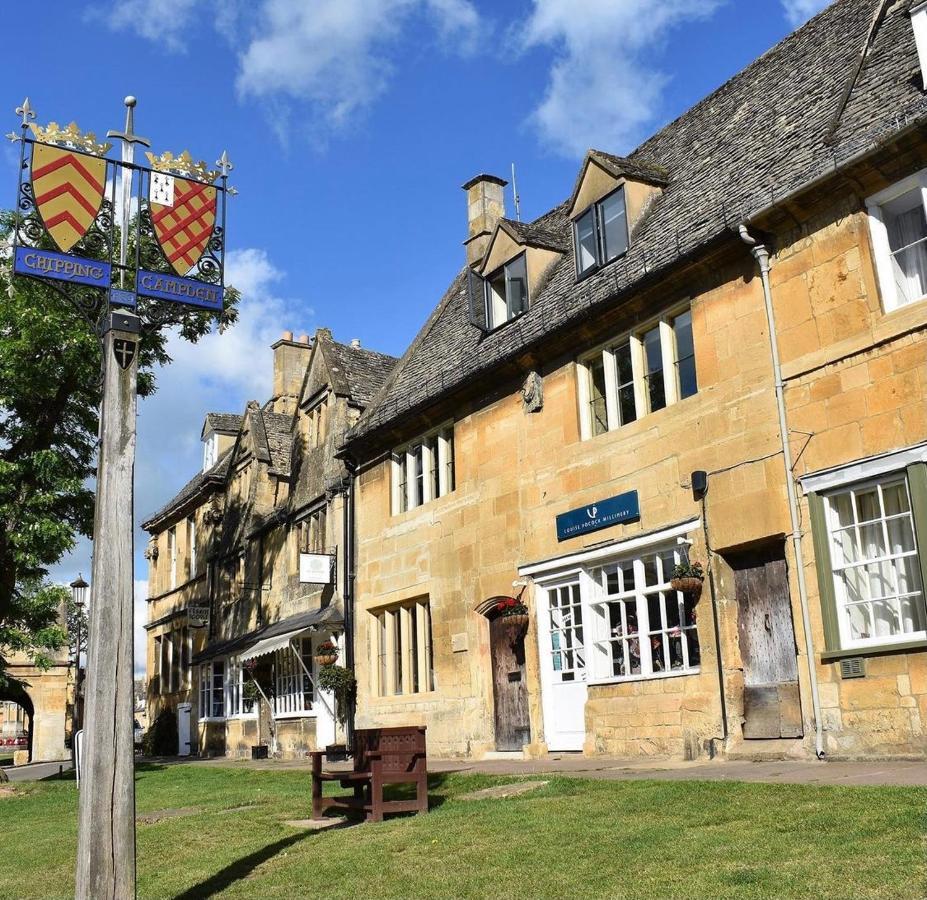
[563,664]
[183,729]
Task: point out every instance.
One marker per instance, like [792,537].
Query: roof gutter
[761,254]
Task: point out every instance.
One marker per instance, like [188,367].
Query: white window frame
[498,307]
[210,451]
[402,649]
[172,554]
[234,691]
[918,14]
[847,641]
[191,543]
[438,459]
[606,352]
[587,568]
[208,690]
[881,249]
[293,664]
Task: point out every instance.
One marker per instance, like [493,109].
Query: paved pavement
[839,772]
[901,772]
[37,771]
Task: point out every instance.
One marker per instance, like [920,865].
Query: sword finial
[128,136]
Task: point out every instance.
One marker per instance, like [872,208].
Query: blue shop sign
[189,291]
[61,267]
[613,511]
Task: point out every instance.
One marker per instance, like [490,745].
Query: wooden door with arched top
[510,689]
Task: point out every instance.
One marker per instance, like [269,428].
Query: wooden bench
[382,756]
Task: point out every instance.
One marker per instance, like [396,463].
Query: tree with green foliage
[49,403]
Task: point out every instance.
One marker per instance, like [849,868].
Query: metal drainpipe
[348,519]
[725,731]
[761,255]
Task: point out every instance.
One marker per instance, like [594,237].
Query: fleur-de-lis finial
[224,163]
[26,111]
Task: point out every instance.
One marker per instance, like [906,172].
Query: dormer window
[210,451]
[601,233]
[506,292]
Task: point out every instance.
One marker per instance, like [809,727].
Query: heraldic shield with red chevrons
[68,188]
[184,228]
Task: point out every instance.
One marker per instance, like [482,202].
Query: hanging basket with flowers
[326,654]
[688,578]
[513,611]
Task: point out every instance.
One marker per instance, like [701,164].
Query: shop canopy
[271,637]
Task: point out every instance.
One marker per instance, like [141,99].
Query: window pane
[907,231]
[418,475]
[685,355]
[653,362]
[895,498]
[626,406]
[598,414]
[585,242]
[516,286]
[614,225]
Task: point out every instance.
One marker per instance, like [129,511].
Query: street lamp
[79,592]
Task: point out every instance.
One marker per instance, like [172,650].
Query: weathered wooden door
[772,705]
[510,690]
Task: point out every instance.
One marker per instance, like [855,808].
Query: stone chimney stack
[290,361]
[485,206]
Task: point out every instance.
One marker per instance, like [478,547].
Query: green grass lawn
[569,838]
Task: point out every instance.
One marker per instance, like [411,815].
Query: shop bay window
[401,649]
[423,470]
[641,626]
[638,374]
[601,233]
[898,225]
[294,679]
[237,701]
[212,690]
[622,621]
[875,565]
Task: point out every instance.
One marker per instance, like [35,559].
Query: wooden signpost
[67,198]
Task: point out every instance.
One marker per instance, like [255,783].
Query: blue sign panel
[119,297]
[188,291]
[61,267]
[613,511]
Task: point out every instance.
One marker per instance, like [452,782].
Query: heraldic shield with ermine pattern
[183,229]
[68,188]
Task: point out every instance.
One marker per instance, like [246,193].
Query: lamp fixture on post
[79,592]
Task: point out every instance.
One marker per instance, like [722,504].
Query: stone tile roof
[359,372]
[225,423]
[192,489]
[760,137]
[537,234]
[278,430]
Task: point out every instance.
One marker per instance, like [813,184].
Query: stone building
[247,563]
[624,385]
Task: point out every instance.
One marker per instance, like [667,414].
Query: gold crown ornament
[183,165]
[71,137]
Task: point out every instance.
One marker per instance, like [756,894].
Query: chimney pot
[355,343]
[287,336]
[304,338]
[485,206]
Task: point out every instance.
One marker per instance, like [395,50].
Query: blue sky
[352,125]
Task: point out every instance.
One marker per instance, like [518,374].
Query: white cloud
[602,90]
[334,56]
[338,55]
[799,11]
[163,22]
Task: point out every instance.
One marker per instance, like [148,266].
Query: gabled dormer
[218,434]
[611,196]
[517,258]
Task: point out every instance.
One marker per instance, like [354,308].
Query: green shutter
[917,484]
[824,567]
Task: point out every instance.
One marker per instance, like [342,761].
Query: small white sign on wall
[315,568]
